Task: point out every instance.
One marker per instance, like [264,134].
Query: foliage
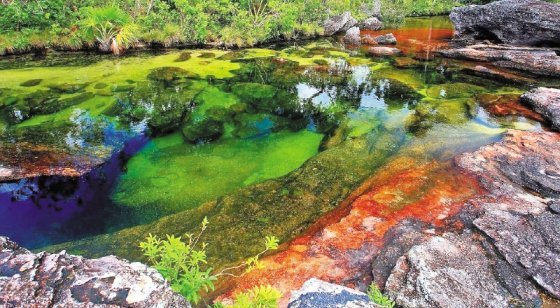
[185,266]
[111,27]
[378,298]
[257,297]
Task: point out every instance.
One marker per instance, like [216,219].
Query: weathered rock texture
[383,51]
[545,101]
[352,36]
[385,39]
[371,23]
[316,293]
[63,280]
[508,251]
[539,61]
[340,23]
[518,22]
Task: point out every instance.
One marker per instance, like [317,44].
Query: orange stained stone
[342,245]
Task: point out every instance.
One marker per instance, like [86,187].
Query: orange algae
[341,246]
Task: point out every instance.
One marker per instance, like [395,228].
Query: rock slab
[339,23]
[545,101]
[517,22]
[63,280]
[317,293]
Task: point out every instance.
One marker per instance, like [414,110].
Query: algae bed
[261,141]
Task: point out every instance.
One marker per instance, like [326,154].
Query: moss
[122,88]
[207,55]
[31,83]
[454,90]
[68,88]
[184,56]
[206,130]
[255,93]
[100,85]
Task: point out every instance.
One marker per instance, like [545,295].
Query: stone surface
[519,22]
[385,39]
[63,280]
[538,61]
[446,271]
[545,101]
[317,293]
[371,23]
[555,206]
[352,36]
[383,51]
[339,23]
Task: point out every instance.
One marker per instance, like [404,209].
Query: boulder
[371,23]
[352,36]
[538,61]
[446,271]
[385,39]
[545,101]
[339,23]
[518,22]
[384,51]
[317,293]
[63,280]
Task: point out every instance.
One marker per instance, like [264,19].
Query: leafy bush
[110,26]
[376,296]
[185,266]
[257,297]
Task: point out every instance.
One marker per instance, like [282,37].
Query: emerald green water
[262,141]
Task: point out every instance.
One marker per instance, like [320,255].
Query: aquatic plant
[184,264]
[376,296]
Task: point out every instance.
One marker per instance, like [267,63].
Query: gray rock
[316,293]
[555,206]
[530,244]
[518,22]
[352,36]
[339,23]
[538,61]
[372,23]
[545,101]
[446,271]
[383,51]
[63,280]
[385,39]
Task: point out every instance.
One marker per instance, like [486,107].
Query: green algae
[171,175]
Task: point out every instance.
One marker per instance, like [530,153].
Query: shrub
[378,298]
[185,266]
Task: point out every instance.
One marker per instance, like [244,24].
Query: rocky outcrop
[385,39]
[518,22]
[63,280]
[508,250]
[317,293]
[545,101]
[371,23]
[339,23]
[538,61]
[352,36]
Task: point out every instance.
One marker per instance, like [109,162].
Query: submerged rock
[538,61]
[545,101]
[60,279]
[339,23]
[519,22]
[317,293]
[385,39]
[352,36]
[384,51]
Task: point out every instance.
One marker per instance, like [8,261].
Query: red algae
[507,105]
[341,246]
[419,42]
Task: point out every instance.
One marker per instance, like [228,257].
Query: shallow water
[186,131]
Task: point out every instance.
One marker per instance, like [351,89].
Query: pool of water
[263,140]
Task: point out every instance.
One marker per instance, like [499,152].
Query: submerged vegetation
[113,25]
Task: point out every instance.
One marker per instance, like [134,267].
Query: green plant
[376,296]
[111,27]
[185,266]
[258,297]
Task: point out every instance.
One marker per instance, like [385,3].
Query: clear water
[263,141]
